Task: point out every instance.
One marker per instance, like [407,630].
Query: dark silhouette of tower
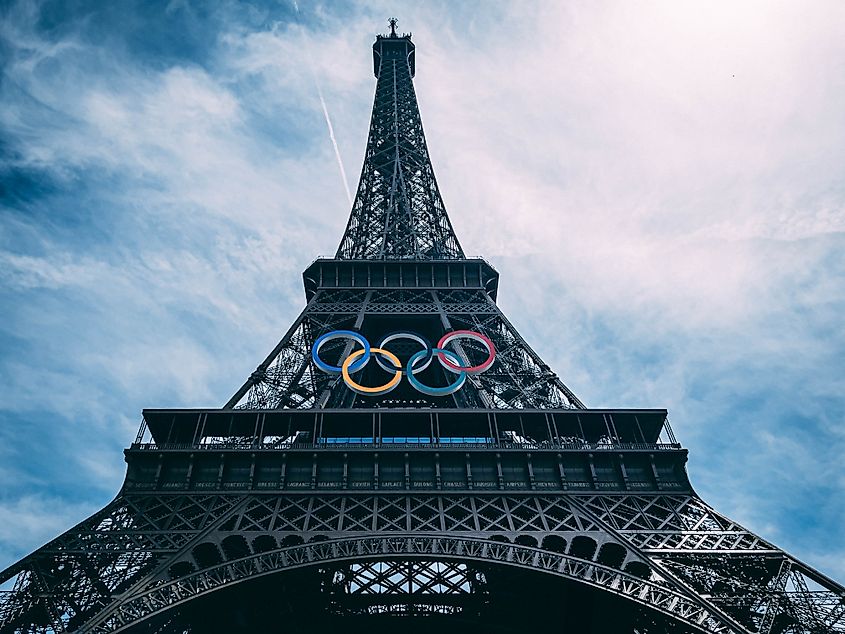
[403,459]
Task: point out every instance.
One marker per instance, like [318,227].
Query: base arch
[152,607]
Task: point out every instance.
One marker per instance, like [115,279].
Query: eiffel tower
[366,478]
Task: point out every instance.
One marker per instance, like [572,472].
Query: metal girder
[648,593]
[519,379]
[757,584]
[143,540]
[398,211]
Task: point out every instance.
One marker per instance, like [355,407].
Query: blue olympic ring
[453,387]
[340,334]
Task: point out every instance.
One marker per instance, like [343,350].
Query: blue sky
[660,186]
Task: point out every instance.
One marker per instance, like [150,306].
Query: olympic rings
[452,361]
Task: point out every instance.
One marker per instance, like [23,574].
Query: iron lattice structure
[303,505]
[398,212]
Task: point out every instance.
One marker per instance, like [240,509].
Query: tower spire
[398,212]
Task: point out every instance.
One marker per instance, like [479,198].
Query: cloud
[659,185]
[35,519]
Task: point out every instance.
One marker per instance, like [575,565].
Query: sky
[660,185]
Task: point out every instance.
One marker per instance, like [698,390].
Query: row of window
[401,440]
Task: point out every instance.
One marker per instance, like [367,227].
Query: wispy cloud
[35,519]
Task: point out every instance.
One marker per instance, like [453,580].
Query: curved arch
[638,569]
[235,547]
[526,540]
[650,594]
[207,555]
[181,569]
[583,547]
[264,544]
[292,540]
[554,543]
[611,554]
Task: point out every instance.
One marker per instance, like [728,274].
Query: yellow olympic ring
[381,389]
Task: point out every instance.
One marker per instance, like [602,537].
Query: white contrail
[325,108]
[334,144]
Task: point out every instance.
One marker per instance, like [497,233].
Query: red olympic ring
[466,334]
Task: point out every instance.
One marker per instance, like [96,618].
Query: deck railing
[287,446]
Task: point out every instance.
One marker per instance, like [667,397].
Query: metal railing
[538,446]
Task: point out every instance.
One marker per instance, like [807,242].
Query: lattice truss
[65,582]
[398,211]
[760,586]
[403,587]
[672,553]
[287,378]
[404,577]
[519,378]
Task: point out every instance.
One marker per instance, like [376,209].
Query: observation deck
[399,274]
[407,449]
